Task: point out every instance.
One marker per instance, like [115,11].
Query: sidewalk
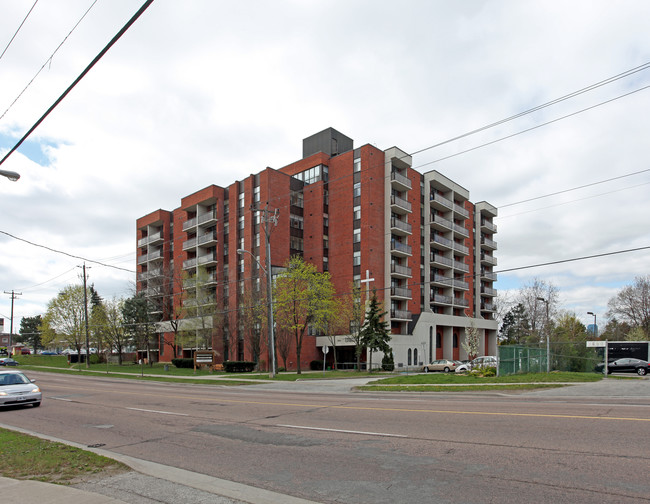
[149,483]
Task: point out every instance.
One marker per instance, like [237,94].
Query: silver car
[17,389]
[479,362]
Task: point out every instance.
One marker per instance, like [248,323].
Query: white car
[17,390]
[479,362]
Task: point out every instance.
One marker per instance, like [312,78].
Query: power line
[21,25]
[572,189]
[81,76]
[49,60]
[65,253]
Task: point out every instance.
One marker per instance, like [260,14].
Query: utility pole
[86,318]
[11,323]
[269,284]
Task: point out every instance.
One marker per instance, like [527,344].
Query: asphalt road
[318,441]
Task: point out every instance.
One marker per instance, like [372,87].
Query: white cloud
[200,93]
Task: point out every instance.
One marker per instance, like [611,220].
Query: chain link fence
[564,356]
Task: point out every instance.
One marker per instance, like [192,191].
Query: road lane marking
[382,434]
[364,408]
[157,411]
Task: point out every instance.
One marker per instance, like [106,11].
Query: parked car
[479,362]
[17,389]
[445,365]
[626,365]
[25,351]
[7,361]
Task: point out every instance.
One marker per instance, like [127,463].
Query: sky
[207,92]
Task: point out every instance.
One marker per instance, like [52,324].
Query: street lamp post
[548,345]
[595,324]
[269,287]
[11,175]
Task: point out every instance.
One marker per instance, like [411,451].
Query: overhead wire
[19,27]
[48,60]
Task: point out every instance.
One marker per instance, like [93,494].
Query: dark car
[7,361]
[626,365]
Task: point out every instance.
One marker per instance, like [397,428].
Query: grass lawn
[28,457]
[455,379]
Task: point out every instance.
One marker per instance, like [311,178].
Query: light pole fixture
[548,345]
[11,175]
[595,323]
[271,331]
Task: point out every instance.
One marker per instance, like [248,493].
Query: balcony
[488,227]
[207,218]
[462,249]
[400,315]
[464,232]
[441,261]
[488,275]
[188,244]
[399,227]
[440,223]
[156,255]
[190,223]
[462,302]
[488,259]
[460,212]
[489,307]
[460,284]
[190,263]
[488,244]
[461,266]
[399,182]
[397,270]
[440,202]
[400,292]
[399,205]
[207,260]
[442,300]
[153,239]
[207,239]
[400,249]
[440,280]
[487,291]
[441,243]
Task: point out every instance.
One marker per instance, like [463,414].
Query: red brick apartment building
[359,213]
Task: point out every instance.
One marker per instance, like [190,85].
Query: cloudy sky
[207,92]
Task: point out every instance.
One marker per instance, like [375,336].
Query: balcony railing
[487,291]
[461,211]
[400,292]
[402,181]
[398,204]
[461,266]
[442,241]
[458,247]
[398,269]
[441,201]
[400,314]
[461,302]
[400,225]
[402,248]
[190,223]
[489,244]
[438,259]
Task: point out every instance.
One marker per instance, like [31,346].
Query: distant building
[359,213]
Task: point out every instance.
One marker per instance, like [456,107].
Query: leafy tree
[283,340]
[138,322]
[30,331]
[615,330]
[117,338]
[515,327]
[636,334]
[64,320]
[536,310]
[253,313]
[375,333]
[301,299]
[202,316]
[97,317]
[568,345]
[472,341]
[352,315]
[632,305]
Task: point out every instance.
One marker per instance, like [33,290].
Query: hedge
[238,366]
[183,363]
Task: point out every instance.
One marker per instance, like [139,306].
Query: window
[357,190]
[357,213]
[296,243]
[356,258]
[241,200]
[357,165]
[356,237]
[296,221]
[241,222]
[256,194]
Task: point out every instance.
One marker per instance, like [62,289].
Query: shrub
[95,358]
[183,363]
[238,366]
[388,362]
[316,365]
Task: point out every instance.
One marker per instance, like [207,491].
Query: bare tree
[632,305]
